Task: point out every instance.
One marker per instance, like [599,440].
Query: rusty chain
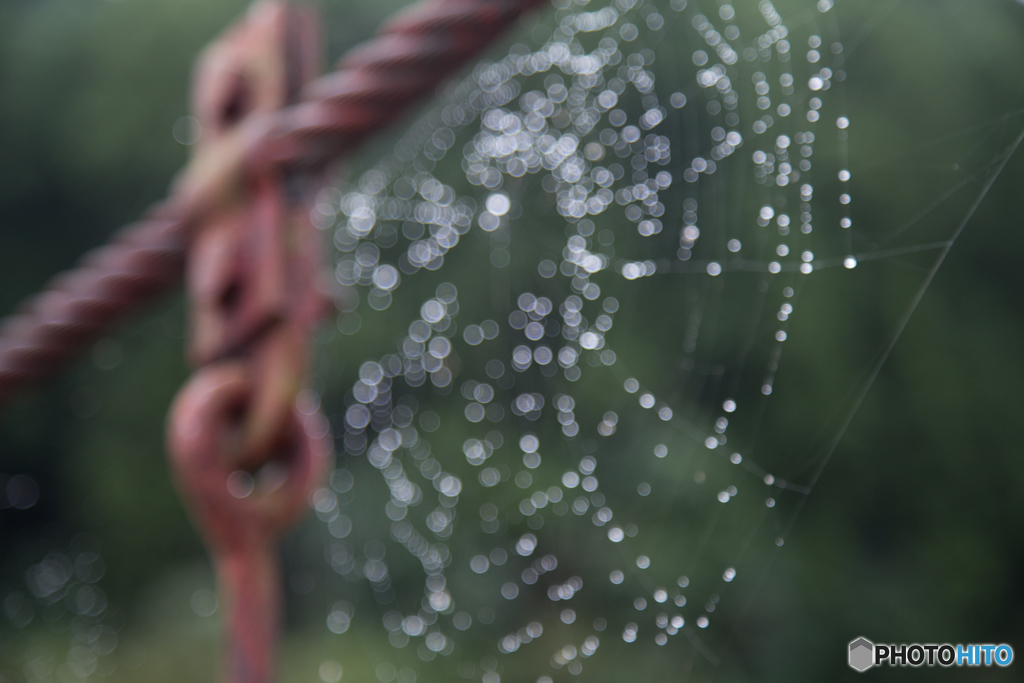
[244,458]
[372,86]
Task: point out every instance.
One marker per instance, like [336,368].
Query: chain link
[244,458]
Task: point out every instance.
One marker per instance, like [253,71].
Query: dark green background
[915,532]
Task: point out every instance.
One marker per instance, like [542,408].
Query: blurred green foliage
[915,532]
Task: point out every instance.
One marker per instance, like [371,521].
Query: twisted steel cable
[372,86]
[144,260]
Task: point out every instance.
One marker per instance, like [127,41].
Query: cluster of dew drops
[398,219]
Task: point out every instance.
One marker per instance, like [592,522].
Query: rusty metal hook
[242,514]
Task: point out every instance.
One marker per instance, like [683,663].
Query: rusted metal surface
[241,515]
[375,84]
[245,459]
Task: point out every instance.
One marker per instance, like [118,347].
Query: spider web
[601,297]
[581,298]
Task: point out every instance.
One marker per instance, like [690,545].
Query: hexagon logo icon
[862,654]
